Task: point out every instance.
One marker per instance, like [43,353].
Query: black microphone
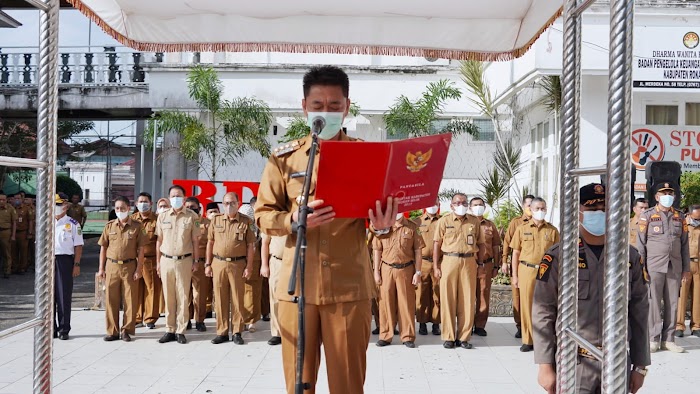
[317,124]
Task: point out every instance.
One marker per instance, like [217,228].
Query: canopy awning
[466,29]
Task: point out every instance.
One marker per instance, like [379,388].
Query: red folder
[352,176]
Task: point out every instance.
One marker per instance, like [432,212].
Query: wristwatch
[641,371]
[76,264]
[382,232]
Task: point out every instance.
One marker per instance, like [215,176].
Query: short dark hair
[253,200]
[192,199]
[694,207]
[476,199]
[459,194]
[640,200]
[530,196]
[538,199]
[326,76]
[147,195]
[122,199]
[177,187]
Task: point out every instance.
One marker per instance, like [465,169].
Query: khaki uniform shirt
[693,242]
[459,234]
[427,226]
[77,212]
[277,246]
[231,236]
[204,237]
[510,232]
[533,241]
[122,241]
[634,225]
[662,237]
[400,246]
[8,215]
[589,321]
[176,231]
[25,216]
[492,240]
[337,257]
[149,229]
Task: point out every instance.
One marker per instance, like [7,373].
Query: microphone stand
[300,263]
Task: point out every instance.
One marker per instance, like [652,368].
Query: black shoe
[151,326]
[436,329]
[63,336]
[448,345]
[181,339]
[480,332]
[189,324]
[219,339]
[409,344]
[465,345]
[126,337]
[382,343]
[518,334]
[209,315]
[110,338]
[200,327]
[526,348]
[458,343]
[266,318]
[55,334]
[696,333]
[237,339]
[678,333]
[375,331]
[168,337]
[423,329]
[274,341]
[396,332]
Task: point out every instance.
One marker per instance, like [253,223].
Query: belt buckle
[120,262]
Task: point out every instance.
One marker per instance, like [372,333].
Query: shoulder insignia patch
[685,227]
[287,148]
[543,272]
[642,227]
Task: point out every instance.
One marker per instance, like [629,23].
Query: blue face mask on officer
[594,222]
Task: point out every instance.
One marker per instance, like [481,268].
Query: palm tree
[222,132]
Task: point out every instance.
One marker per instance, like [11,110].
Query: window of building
[535,177]
[545,135]
[87,194]
[533,139]
[662,115]
[396,136]
[545,176]
[692,114]
[487,131]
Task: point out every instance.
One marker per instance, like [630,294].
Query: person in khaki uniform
[460,243]
[121,265]
[77,211]
[506,254]
[693,284]
[150,290]
[428,290]
[178,234]
[230,252]
[29,202]
[272,250]
[488,268]
[24,232]
[162,205]
[202,285]
[252,299]
[339,284]
[397,270]
[530,241]
[591,274]
[8,228]
[640,205]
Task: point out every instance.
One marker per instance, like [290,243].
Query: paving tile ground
[86,364]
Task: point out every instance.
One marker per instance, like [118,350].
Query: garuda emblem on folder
[418,161]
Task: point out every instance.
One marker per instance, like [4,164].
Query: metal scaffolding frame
[615,308]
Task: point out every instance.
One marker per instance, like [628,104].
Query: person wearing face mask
[506,253]
[25,231]
[640,205]
[428,290]
[530,241]
[121,264]
[68,237]
[458,249]
[76,210]
[397,270]
[693,284]
[149,286]
[488,268]
[212,209]
[252,299]
[178,236]
[8,228]
[662,241]
[162,205]
[230,250]
[591,274]
[201,284]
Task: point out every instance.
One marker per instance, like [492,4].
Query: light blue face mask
[666,200]
[334,121]
[594,222]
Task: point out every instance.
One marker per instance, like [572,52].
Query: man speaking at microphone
[339,283]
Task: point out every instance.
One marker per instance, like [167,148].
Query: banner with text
[670,143]
[666,57]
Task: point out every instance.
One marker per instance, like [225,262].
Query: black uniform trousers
[63,292]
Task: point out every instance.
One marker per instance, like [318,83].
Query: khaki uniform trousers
[20,257]
[150,293]
[202,287]
[428,295]
[120,288]
[140,290]
[253,295]
[6,250]
[692,285]
[229,291]
[343,329]
[526,281]
[398,303]
[176,276]
[484,274]
[663,289]
[275,266]
[457,297]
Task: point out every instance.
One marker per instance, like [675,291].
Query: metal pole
[155,177]
[615,322]
[570,128]
[47,114]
